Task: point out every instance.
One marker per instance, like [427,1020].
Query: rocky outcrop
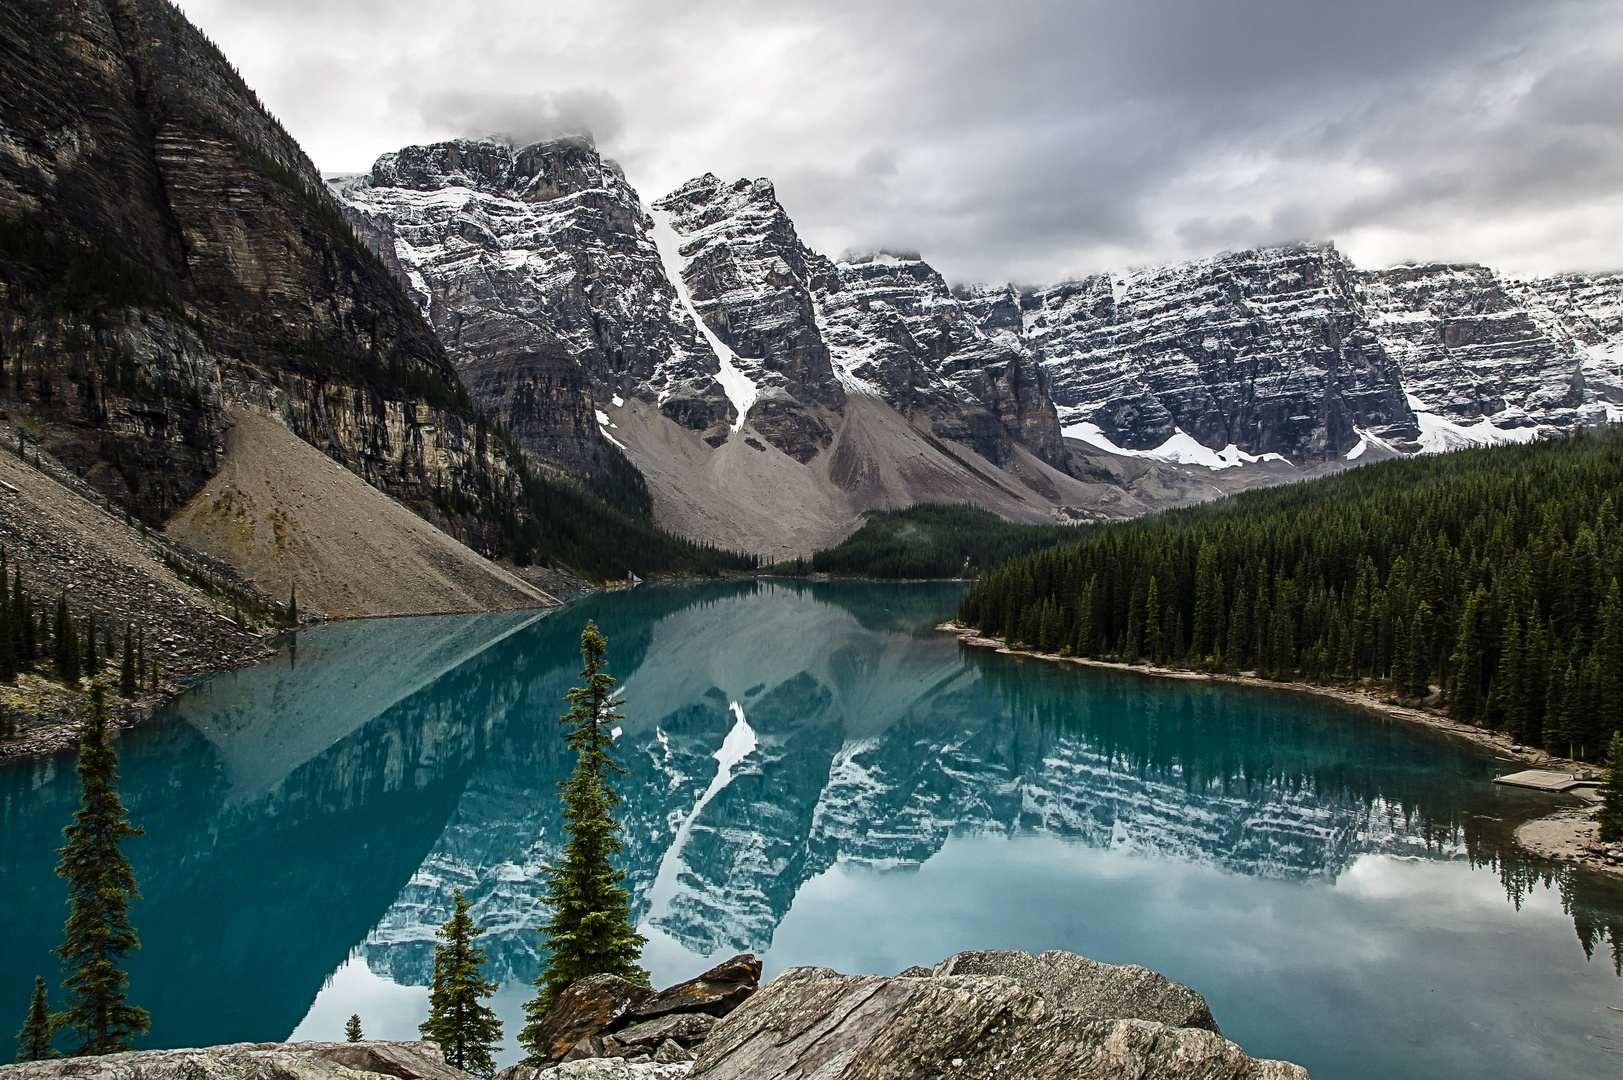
[253,1061]
[1265,350]
[1468,348]
[1026,1020]
[751,280]
[536,269]
[895,329]
[166,247]
[1096,991]
[1294,351]
[604,1016]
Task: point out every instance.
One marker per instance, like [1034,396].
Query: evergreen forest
[1484,581]
[929,540]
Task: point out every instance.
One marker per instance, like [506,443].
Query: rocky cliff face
[751,280]
[166,247]
[1264,350]
[896,330]
[536,269]
[1522,354]
[1296,352]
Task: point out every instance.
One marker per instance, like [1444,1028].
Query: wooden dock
[1544,780]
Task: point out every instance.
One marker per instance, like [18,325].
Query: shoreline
[1566,834]
[51,725]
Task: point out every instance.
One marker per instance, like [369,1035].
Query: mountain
[767,394]
[535,268]
[702,326]
[170,259]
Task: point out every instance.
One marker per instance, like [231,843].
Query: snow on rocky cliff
[537,269]
[540,270]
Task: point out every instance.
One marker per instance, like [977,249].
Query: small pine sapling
[34,1040]
[352,1028]
[458,1020]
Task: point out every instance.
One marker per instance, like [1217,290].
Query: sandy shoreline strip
[1566,835]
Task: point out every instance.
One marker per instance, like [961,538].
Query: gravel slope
[283,513]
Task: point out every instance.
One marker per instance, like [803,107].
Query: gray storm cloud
[525,118]
[1026,141]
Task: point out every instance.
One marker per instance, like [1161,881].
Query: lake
[818,776]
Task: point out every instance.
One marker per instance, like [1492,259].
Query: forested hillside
[929,540]
[1487,580]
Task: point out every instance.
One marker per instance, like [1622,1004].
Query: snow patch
[1182,449]
[1439,435]
[1365,441]
[618,401]
[740,389]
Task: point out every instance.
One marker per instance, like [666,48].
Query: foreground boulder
[1090,989]
[606,1017]
[252,1061]
[591,1007]
[998,1024]
[717,992]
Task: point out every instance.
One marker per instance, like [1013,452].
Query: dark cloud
[1028,141]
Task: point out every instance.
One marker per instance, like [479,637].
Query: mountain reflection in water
[776,734]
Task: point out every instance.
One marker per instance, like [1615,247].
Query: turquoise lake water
[819,777]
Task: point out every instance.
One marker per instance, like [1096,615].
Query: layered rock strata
[536,268]
[1267,351]
[752,281]
[166,248]
[895,329]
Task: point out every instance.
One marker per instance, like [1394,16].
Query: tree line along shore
[1483,583]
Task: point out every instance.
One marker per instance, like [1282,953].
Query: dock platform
[1544,780]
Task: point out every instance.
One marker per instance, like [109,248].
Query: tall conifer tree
[101,886]
[458,1020]
[65,635]
[126,670]
[352,1028]
[590,931]
[1610,815]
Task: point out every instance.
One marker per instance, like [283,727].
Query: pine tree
[1467,661]
[101,887]
[590,931]
[1154,640]
[34,1040]
[1419,673]
[66,636]
[92,664]
[293,604]
[352,1028]
[126,670]
[23,609]
[1610,815]
[464,1027]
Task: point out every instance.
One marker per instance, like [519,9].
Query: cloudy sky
[1025,140]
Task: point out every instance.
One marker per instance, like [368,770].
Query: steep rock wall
[535,267]
[166,247]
